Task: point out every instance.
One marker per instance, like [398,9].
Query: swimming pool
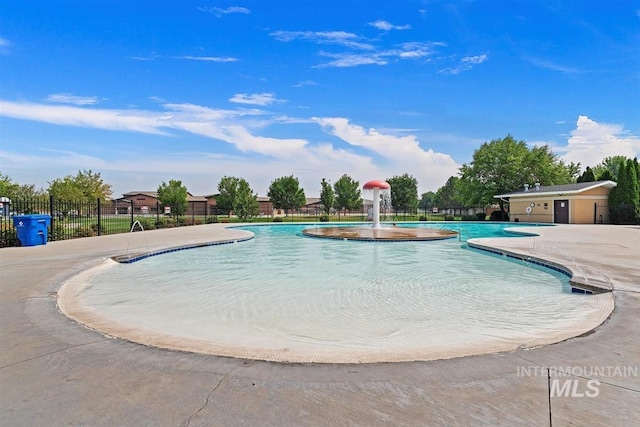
[286,297]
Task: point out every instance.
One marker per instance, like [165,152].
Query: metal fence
[601,214]
[76,219]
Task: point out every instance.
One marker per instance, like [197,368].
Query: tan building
[581,203]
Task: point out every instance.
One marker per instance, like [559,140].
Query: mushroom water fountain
[378,187]
[381,191]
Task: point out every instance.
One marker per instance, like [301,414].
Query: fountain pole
[376,207]
[376,185]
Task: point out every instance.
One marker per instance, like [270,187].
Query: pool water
[284,296]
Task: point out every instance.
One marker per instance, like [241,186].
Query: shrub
[96,230]
[423,218]
[146,223]
[277,219]
[212,220]
[192,221]
[83,232]
[160,223]
[448,218]
[8,235]
[57,232]
[481,216]
[165,223]
[324,218]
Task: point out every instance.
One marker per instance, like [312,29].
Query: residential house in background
[147,203]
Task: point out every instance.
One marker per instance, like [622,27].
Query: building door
[561,211]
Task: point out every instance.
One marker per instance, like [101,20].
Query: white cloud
[218,11]
[362,53]
[542,63]
[351,60]
[121,120]
[261,99]
[416,49]
[150,57]
[305,83]
[208,58]
[386,26]
[478,59]
[410,50]
[324,37]
[465,64]
[259,158]
[404,153]
[591,141]
[67,98]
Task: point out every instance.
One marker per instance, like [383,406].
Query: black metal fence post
[131,225]
[51,234]
[99,218]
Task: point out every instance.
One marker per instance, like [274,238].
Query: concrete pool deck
[54,371]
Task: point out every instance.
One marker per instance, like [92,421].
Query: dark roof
[308,201]
[144,193]
[312,201]
[556,189]
[192,198]
[154,194]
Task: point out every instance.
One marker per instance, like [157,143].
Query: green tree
[65,189]
[605,176]
[327,196]
[8,188]
[174,195]
[236,195]
[613,165]
[404,193]
[227,192]
[86,186]
[624,199]
[245,204]
[348,193]
[427,201]
[587,176]
[503,165]
[285,193]
[450,196]
[29,191]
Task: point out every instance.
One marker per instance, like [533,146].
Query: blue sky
[148,91]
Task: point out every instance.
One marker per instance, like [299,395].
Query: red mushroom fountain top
[376,183]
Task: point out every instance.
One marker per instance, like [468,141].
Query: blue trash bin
[32,229]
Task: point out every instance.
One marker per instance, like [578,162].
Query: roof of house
[192,198]
[154,194]
[556,189]
[308,201]
[143,193]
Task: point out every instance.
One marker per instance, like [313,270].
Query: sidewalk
[56,372]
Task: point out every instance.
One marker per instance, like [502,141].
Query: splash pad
[389,234]
[380,190]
